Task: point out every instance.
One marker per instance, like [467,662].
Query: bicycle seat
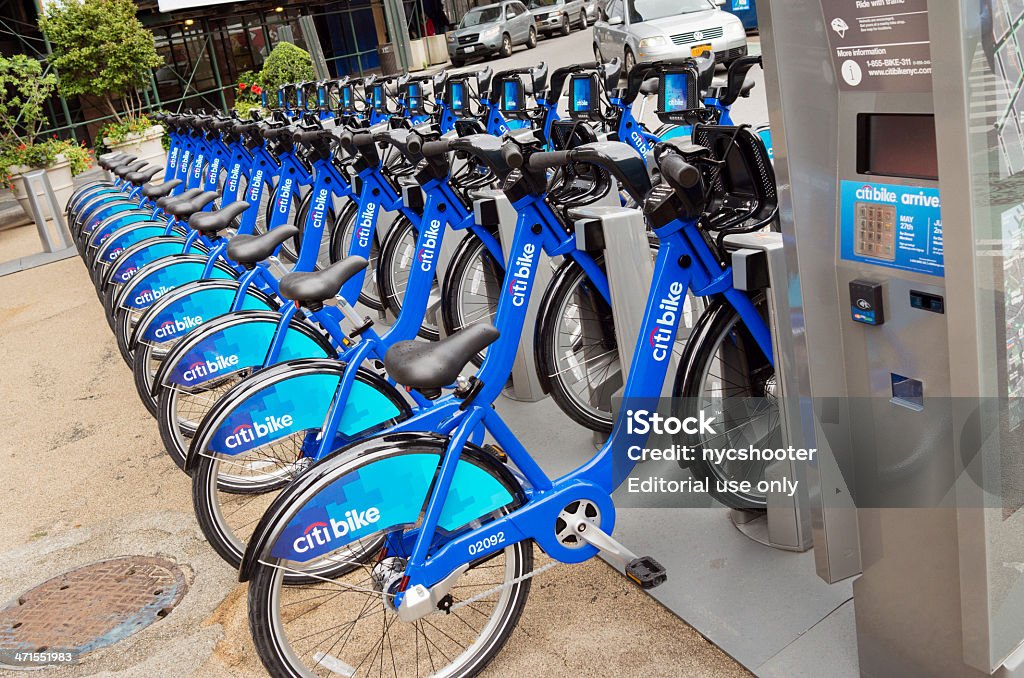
[214,222]
[436,364]
[252,249]
[164,202]
[109,161]
[155,191]
[142,176]
[183,209]
[124,170]
[319,286]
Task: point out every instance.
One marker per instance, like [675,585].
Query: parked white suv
[642,31]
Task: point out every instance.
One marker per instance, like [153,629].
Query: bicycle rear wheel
[725,374]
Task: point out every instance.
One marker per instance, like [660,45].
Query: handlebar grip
[432,148]
[679,173]
[362,139]
[414,144]
[512,155]
[311,136]
[276,133]
[548,159]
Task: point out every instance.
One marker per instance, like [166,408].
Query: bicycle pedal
[646,571]
[497,453]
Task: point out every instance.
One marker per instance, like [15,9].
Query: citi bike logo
[639,142]
[284,197]
[426,253]
[254,190]
[169,328]
[366,225]
[214,173]
[152,295]
[250,433]
[206,368]
[521,270]
[320,209]
[321,533]
[233,178]
[661,337]
[173,162]
[128,273]
[197,168]
[882,194]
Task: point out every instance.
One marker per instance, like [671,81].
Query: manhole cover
[83,610]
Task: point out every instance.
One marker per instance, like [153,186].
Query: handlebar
[549,159]
[434,148]
[678,173]
[312,136]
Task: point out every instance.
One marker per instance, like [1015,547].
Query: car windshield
[648,10]
[482,15]
[537,4]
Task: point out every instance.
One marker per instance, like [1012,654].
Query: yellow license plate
[699,50]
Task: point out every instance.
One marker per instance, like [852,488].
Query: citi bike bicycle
[436,530]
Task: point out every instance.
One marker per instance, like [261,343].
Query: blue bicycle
[435,529]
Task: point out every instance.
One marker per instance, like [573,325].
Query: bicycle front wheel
[471,288]
[725,374]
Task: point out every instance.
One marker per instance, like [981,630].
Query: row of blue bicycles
[356,471]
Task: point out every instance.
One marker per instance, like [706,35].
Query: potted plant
[100,48]
[25,88]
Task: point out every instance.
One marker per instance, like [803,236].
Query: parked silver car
[593,9]
[650,30]
[492,28]
[558,16]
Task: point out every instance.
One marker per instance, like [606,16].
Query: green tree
[101,48]
[23,91]
[286,63]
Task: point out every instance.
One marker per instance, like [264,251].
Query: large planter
[437,49]
[418,54]
[59,175]
[145,146]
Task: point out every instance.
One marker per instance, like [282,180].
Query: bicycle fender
[135,257]
[376,484]
[159,277]
[291,397]
[115,223]
[124,238]
[236,341]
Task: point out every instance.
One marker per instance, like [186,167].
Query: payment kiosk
[899,152]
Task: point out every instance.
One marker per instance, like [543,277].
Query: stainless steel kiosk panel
[901,210]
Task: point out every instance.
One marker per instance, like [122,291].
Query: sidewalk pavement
[84,477]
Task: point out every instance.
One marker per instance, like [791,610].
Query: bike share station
[898,341]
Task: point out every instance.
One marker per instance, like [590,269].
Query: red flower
[257,90]
[242,85]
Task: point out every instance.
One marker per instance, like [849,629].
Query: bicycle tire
[747,383]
